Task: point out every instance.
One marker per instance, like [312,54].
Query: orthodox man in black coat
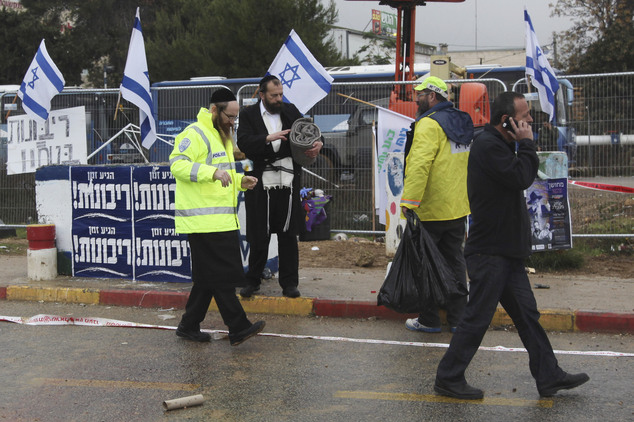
[273,206]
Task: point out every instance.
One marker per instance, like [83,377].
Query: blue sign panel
[123,224]
[102,222]
[160,253]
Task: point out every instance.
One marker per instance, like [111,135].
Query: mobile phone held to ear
[507,125]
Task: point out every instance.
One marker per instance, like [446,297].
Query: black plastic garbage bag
[419,273]
[401,289]
[436,275]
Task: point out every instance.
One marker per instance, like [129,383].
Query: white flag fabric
[537,67]
[41,83]
[305,81]
[135,86]
[391,131]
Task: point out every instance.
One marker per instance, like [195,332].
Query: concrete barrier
[41,255]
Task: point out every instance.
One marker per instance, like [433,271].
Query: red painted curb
[604,322]
[355,309]
[3,292]
[143,299]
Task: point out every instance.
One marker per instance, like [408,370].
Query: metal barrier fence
[601,108]
[601,116]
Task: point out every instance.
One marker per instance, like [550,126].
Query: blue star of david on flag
[294,76]
[36,97]
[305,81]
[35,78]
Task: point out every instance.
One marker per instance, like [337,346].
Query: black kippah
[266,80]
[222,95]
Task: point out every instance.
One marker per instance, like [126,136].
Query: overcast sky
[489,24]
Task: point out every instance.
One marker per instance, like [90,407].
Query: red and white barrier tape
[105,322]
[602,186]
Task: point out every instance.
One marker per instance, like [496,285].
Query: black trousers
[216,271]
[448,237]
[496,279]
[288,253]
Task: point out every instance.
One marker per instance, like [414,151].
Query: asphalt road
[74,373]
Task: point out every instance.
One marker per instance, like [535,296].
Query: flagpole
[356,99]
[116,109]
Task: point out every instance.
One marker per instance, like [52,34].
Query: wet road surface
[73,373]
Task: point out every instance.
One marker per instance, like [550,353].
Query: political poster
[123,224]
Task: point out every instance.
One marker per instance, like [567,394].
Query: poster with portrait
[549,214]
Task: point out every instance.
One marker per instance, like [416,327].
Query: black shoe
[249,290]
[193,335]
[291,292]
[243,335]
[458,391]
[567,382]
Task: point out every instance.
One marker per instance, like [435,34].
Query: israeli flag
[304,80]
[135,86]
[41,83]
[541,74]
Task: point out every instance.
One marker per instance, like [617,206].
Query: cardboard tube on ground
[183,402]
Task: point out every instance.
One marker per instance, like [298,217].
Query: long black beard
[272,108]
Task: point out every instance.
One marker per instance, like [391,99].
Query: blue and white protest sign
[41,83]
[102,216]
[123,224]
[135,86]
[160,254]
[537,67]
[304,80]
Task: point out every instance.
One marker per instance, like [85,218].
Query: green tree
[183,38]
[88,35]
[601,38]
[378,50]
[20,40]
[235,39]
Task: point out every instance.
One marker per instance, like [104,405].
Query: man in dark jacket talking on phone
[502,164]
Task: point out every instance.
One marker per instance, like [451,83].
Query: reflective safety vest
[435,185]
[202,205]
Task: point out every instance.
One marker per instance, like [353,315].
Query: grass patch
[598,246]
[565,259]
[584,250]
[15,245]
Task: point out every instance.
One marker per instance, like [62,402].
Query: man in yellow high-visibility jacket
[435,187]
[207,186]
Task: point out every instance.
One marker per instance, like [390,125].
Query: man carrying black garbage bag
[502,164]
[435,188]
